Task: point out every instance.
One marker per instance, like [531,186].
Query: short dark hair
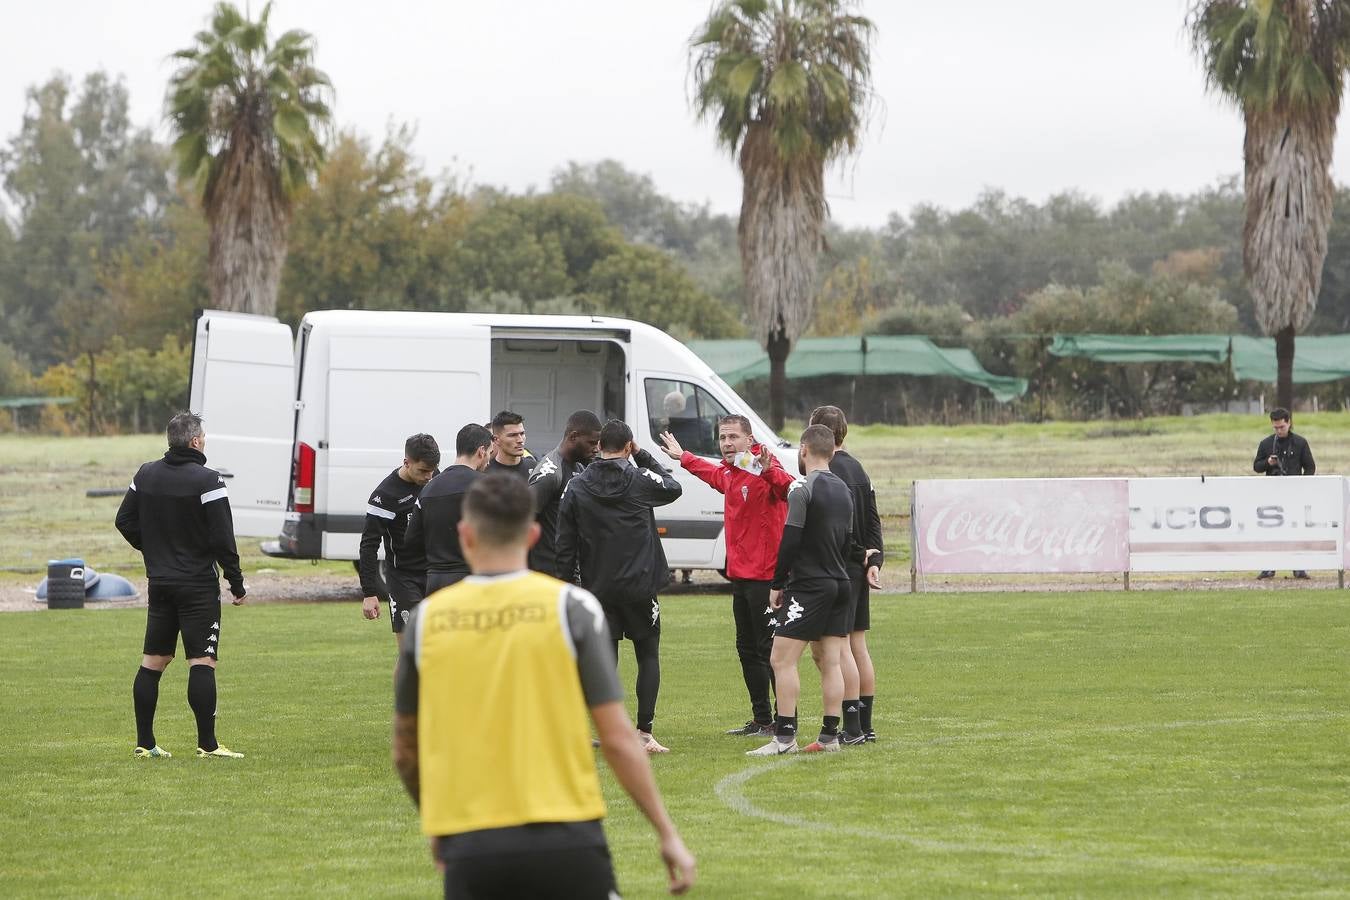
[500,509]
[183,427]
[583,421]
[832,417]
[504,418]
[737,419]
[615,436]
[1279,412]
[472,438]
[818,441]
[422,448]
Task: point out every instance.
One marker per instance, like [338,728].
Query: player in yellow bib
[515,653]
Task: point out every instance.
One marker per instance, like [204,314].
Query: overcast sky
[1032,97]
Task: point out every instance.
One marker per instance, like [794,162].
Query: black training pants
[754,642]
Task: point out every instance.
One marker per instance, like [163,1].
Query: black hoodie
[607,531]
[177,514]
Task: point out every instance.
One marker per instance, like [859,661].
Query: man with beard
[607,532]
[509,453]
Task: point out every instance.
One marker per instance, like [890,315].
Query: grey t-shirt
[585,625]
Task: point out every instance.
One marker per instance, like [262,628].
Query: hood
[181,456]
[608,479]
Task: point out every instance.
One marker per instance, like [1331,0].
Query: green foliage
[375,232]
[83,184]
[120,389]
[799,67]
[1124,303]
[1274,55]
[231,83]
[643,283]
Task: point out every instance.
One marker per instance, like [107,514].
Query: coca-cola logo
[1015,531]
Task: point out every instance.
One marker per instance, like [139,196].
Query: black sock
[852,717]
[145,697]
[785,727]
[202,699]
[829,727]
[865,712]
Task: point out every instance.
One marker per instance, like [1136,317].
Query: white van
[305,426]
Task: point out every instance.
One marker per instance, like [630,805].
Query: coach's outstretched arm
[628,761]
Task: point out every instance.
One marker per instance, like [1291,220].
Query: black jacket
[866,534]
[434,524]
[547,482]
[177,513]
[387,513]
[1295,457]
[607,531]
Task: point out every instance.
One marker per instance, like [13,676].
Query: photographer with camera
[1283,453]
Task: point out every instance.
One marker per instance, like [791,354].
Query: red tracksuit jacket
[756,508]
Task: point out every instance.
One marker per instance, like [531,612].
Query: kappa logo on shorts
[656,611]
[794,610]
[215,626]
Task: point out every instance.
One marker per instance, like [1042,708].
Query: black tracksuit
[607,531]
[387,522]
[547,482]
[1294,456]
[434,525]
[177,513]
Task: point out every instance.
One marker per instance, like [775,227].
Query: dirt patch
[268,588]
[262,588]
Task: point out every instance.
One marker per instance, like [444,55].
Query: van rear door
[243,387]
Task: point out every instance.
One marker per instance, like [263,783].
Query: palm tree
[247,116]
[1282,62]
[787,83]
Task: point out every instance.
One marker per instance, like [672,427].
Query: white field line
[730,790]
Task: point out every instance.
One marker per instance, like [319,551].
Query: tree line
[111,239]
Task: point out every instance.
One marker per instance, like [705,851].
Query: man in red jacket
[754,487]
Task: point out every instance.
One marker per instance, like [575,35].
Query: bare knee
[202,661]
[156,663]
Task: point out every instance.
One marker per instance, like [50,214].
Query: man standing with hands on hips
[1283,453]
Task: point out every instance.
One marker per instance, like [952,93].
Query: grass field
[1031,744]
[44,512]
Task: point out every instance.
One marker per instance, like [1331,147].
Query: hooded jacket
[177,513]
[607,531]
[755,508]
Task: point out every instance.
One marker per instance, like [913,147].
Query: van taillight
[304,479]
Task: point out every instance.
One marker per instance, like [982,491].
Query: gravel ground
[269,588]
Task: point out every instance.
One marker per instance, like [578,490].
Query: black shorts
[406,590]
[583,873]
[192,611]
[634,620]
[814,608]
[861,608]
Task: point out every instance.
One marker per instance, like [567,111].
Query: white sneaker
[650,743]
[774,748]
